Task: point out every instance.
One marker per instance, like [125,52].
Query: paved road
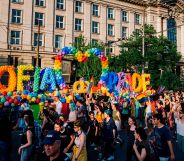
[120,151]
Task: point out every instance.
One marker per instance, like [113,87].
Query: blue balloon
[48,79]
[42,99]
[62,99]
[25,92]
[42,73]
[111,81]
[19,98]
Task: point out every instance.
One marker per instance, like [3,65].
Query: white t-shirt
[58,107]
[72,116]
[179,127]
[148,110]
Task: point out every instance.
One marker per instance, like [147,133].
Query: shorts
[149,115]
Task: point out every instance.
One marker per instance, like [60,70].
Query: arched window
[171,30]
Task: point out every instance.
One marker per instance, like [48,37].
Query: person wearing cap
[109,134]
[79,149]
[66,136]
[52,144]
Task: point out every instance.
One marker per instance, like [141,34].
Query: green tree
[92,66]
[160,54]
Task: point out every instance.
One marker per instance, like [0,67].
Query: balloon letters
[48,79]
[12,78]
[22,77]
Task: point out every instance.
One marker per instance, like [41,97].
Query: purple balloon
[6,103]
[121,80]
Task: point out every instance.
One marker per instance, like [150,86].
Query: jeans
[180,142]
[26,153]
[163,159]
[4,151]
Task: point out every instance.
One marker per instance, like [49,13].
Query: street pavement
[120,151]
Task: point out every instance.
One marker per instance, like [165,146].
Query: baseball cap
[51,137]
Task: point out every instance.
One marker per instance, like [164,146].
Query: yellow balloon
[145,81]
[137,82]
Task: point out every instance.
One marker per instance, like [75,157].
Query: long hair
[29,120]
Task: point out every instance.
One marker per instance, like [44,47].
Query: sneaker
[145,128]
[111,158]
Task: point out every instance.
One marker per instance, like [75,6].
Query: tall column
[131,23]
[182,40]
[103,23]
[69,23]
[4,7]
[118,26]
[27,22]
[87,21]
[49,37]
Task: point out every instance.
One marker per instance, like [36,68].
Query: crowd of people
[66,131]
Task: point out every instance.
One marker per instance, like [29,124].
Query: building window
[13,61]
[94,42]
[34,61]
[58,41]
[39,18]
[77,41]
[95,10]
[40,3]
[60,4]
[60,22]
[110,12]
[124,32]
[110,47]
[17,1]
[110,30]
[171,30]
[95,27]
[16,16]
[124,16]
[15,37]
[78,24]
[137,31]
[36,39]
[78,6]
[137,19]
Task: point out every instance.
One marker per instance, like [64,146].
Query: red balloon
[4,93]
[37,101]
[104,58]
[7,98]
[16,102]
[11,100]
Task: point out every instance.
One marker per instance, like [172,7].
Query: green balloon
[10,94]
[13,104]
[3,100]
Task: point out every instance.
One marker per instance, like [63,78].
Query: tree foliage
[160,54]
[92,67]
